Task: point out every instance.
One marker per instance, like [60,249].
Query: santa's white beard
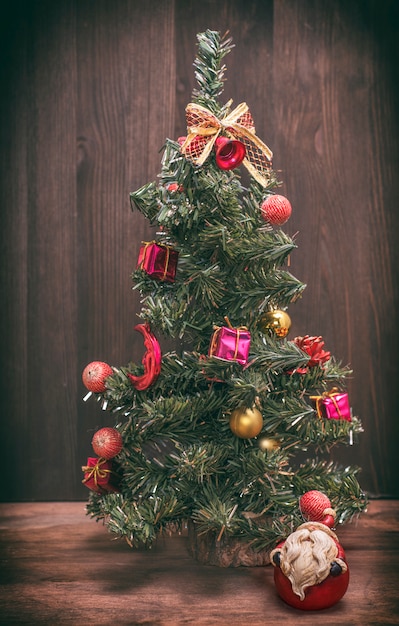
[306,558]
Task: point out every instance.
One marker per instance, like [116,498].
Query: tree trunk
[227,552]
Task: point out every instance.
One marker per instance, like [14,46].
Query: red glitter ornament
[173,187]
[107,442]
[276,210]
[95,374]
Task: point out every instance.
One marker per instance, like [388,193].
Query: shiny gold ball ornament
[246,423]
[277,322]
[268,445]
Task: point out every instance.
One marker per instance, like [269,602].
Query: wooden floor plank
[60,567]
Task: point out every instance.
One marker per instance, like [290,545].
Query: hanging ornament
[313,346]
[203,129]
[276,210]
[246,423]
[107,442]
[158,260]
[94,376]
[174,187]
[277,322]
[229,153]
[268,445]
[151,360]
[310,569]
[230,344]
[99,476]
[333,405]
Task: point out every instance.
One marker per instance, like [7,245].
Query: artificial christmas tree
[211,431]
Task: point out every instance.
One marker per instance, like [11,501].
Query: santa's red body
[317,597]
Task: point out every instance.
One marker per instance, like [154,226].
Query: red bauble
[276,210]
[107,442]
[316,507]
[317,597]
[173,187]
[95,374]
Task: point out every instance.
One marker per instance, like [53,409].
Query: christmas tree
[214,433]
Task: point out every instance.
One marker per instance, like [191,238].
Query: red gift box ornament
[158,260]
[333,405]
[99,476]
[230,344]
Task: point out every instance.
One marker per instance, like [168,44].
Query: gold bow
[331,396]
[215,336]
[144,250]
[95,471]
[203,128]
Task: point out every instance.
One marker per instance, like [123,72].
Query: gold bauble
[246,423]
[277,321]
[268,445]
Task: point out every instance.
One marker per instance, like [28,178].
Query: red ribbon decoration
[151,360]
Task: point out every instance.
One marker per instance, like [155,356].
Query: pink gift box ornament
[230,344]
[333,405]
[99,476]
[158,260]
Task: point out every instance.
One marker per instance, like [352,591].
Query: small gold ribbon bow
[215,336]
[203,128]
[95,471]
[330,395]
[144,251]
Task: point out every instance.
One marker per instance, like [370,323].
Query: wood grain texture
[60,567]
[338,153]
[89,91]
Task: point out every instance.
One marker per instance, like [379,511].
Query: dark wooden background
[89,91]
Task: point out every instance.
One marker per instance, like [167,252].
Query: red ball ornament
[95,374]
[316,507]
[107,442]
[174,187]
[276,210]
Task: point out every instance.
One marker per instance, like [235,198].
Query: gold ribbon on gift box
[237,125]
[215,335]
[320,399]
[95,471]
[161,245]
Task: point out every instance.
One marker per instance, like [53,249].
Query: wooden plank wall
[89,91]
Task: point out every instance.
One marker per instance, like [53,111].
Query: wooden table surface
[60,567]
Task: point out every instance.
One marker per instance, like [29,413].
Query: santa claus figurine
[310,570]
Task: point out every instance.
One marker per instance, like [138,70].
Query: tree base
[228,552]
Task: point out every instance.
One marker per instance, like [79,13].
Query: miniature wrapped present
[230,344]
[158,260]
[99,475]
[333,405]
